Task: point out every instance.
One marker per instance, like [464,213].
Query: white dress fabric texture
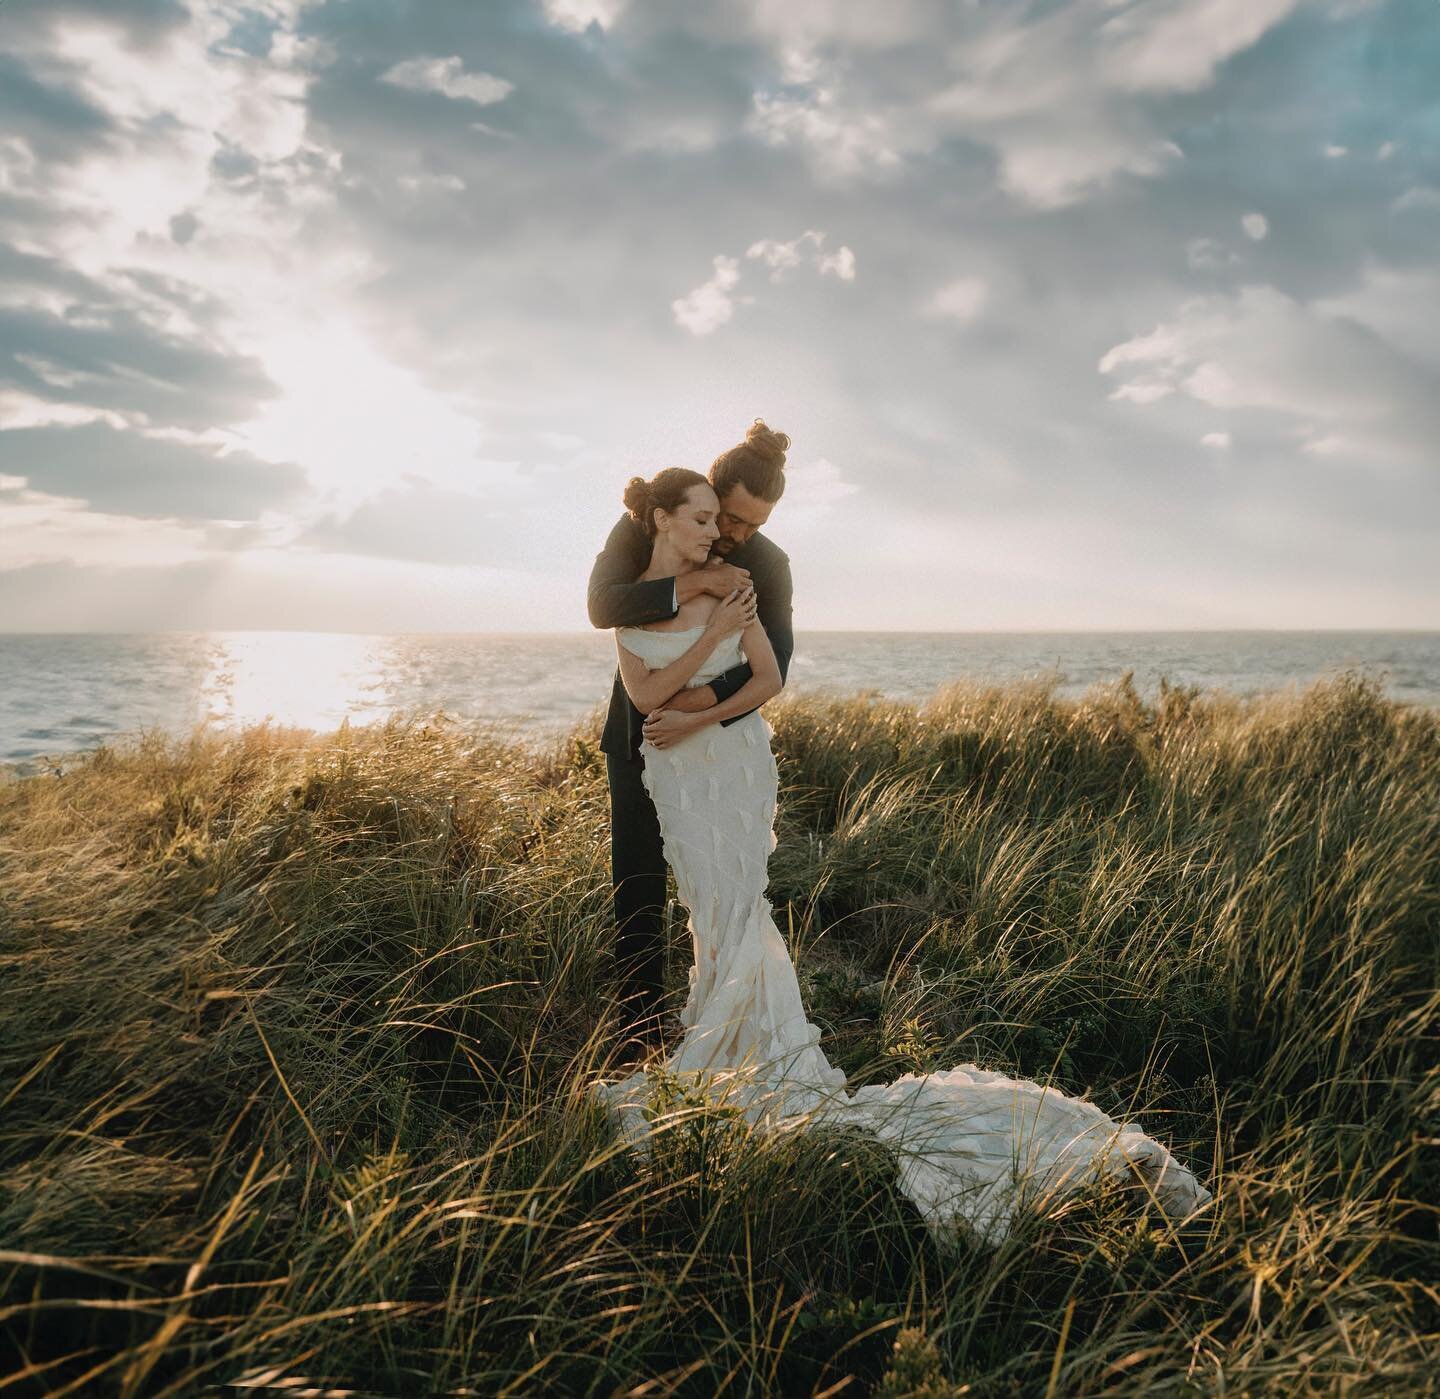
[972,1145]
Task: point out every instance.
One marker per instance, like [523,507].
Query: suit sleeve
[775,613]
[614,598]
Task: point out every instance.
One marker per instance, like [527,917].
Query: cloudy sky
[357,314]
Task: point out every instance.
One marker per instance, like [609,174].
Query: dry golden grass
[296,1030]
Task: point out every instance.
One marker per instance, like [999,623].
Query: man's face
[741,514]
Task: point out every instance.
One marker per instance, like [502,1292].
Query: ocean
[64,693]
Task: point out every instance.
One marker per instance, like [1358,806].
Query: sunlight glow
[309,679]
[356,421]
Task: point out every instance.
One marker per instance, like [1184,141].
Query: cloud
[181,154]
[1395,303]
[1417,197]
[130,345]
[1148,391]
[1336,382]
[1063,127]
[37,528]
[841,263]
[419,184]
[142,474]
[1177,45]
[142,23]
[1219,440]
[709,306]
[961,300]
[227,97]
[1209,255]
[579,15]
[19,409]
[845,142]
[421,521]
[780,257]
[218,236]
[815,486]
[448,77]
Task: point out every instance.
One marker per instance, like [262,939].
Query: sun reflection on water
[310,680]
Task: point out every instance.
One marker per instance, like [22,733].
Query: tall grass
[296,1033]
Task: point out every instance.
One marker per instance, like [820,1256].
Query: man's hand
[716,578]
[721,579]
[666,726]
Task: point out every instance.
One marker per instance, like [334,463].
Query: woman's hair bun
[767,444]
[638,498]
[667,491]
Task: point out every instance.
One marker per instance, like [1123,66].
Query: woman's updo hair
[666,490]
[758,464]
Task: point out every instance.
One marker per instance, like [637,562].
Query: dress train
[972,1145]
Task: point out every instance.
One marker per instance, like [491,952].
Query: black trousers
[637,874]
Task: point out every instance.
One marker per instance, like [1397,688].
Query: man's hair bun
[757,463]
[770,446]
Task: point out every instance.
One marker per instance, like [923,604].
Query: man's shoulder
[763,552]
[627,536]
[628,528]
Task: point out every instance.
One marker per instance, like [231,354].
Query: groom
[748,490]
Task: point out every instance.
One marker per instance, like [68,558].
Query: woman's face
[691,527]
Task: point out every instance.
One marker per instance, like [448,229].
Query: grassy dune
[295,1032]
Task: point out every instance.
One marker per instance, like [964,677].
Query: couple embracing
[700,603]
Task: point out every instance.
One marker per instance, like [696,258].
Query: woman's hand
[664,727]
[734,614]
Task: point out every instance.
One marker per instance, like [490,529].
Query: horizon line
[830,631]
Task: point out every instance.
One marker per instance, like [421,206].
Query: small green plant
[916,1370]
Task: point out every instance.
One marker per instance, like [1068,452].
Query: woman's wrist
[695,719]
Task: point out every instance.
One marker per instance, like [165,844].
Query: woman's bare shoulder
[692,614]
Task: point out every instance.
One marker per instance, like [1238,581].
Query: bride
[970,1142]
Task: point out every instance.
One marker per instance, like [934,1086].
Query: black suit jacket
[617,600]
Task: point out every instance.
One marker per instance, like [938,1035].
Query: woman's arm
[649,689]
[764,684]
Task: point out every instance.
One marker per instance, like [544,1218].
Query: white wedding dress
[972,1145]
